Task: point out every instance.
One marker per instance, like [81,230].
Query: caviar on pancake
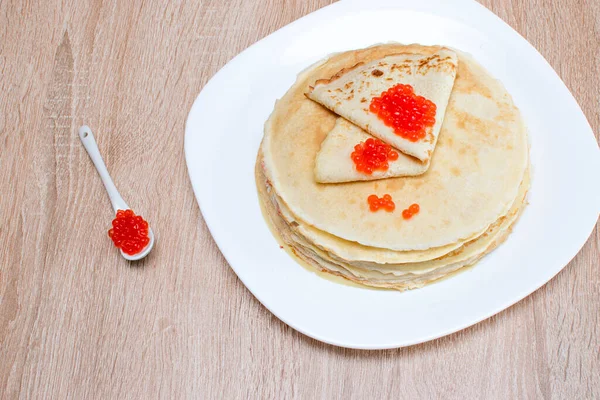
[402,109]
[129,232]
[372,155]
[385,202]
[411,211]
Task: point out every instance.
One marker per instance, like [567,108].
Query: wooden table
[77,321]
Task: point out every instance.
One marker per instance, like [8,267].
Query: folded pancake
[334,164]
[472,181]
[350,90]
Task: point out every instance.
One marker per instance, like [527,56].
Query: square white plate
[225,127]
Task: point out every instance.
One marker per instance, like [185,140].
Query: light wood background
[77,321]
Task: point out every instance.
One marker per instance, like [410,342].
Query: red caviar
[371,155]
[410,211]
[129,232]
[401,109]
[385,202]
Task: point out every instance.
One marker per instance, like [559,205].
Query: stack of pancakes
[471,194]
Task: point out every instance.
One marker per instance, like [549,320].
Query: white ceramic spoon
[87,138]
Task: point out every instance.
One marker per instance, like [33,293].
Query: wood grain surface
[77,321]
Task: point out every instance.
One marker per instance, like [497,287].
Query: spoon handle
[87,138]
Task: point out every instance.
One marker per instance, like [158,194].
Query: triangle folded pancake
[349,92]
[334,164]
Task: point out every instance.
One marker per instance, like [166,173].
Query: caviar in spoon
[129,232]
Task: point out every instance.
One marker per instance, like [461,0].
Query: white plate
[225,127]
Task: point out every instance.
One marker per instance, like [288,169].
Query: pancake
[333,163]
[352,87]
[399,277]
[357,254]
[473,179]
[465,252]
[352,251]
